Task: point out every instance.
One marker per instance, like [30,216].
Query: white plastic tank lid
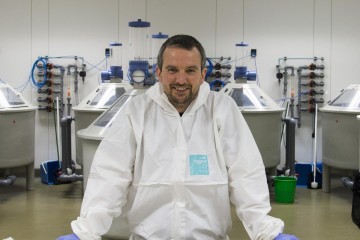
[347,101]
[98,127]
[249,97]
[9,98]
[103,96]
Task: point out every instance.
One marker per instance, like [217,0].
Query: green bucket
[285,189]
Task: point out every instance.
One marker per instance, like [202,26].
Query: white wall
[276,28]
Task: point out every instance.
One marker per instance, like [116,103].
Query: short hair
[181,41]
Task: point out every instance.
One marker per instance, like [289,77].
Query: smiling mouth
[180,87]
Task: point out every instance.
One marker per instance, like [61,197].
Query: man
[173,160]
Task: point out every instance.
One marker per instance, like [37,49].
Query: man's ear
[158,73]
[203,74]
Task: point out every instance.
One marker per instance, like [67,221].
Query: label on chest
[199,165]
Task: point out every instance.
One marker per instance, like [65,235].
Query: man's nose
[182,77]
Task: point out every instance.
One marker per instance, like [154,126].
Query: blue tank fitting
[140,66]
[116,71]
[243,73]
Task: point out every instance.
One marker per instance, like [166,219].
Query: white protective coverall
[169,178]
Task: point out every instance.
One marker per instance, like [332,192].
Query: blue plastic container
[302,171]
[48,171]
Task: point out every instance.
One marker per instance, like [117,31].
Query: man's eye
[190,70]
[171,70]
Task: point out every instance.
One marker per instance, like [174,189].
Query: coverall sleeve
[247,178]
[108,182]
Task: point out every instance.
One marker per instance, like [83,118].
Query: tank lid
[115,44]
[160,36]
[242,44]
[347,100]
[250,98]
[11,99]
[139,24]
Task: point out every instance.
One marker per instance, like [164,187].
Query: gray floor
[46,212]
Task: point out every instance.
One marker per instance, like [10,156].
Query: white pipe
[314,184]
[58,126]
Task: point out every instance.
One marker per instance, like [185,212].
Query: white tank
[97,102]
[17,128]
[264,117]
[91,138]
[340,133]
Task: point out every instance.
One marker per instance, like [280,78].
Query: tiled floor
[46,212]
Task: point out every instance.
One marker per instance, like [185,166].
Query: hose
[210,68]
[39,84]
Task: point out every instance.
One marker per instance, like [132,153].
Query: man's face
[181,76]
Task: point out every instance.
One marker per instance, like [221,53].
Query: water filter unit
[242,56]
[114,54]
[157,42]
[139,53]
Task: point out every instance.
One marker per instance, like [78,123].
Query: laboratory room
[182,120]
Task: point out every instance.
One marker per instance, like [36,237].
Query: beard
[180,98]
